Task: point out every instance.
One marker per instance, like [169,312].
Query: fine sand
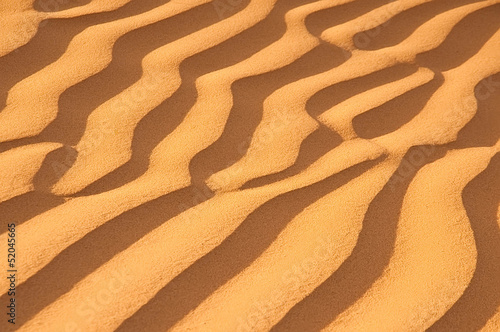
[250,165]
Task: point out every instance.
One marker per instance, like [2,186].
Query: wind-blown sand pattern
[251,165]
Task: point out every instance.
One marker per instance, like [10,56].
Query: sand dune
[20,22]
[251,165]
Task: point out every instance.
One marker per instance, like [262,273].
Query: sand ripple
[290,165]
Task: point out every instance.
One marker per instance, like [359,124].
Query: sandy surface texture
[250,165]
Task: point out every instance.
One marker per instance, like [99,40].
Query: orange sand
[251,165]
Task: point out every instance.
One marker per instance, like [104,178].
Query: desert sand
[250,165]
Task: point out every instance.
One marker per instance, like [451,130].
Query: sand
[250,165]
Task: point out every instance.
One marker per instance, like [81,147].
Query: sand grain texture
[251,165]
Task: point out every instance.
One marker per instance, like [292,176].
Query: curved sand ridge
[20,22]
[296,37]
[434,255]
[46,86]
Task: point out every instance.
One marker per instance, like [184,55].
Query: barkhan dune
[250,165]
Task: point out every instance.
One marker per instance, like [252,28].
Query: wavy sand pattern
[251,165]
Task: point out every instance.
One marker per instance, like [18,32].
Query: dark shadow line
[235,253]
[366,263]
